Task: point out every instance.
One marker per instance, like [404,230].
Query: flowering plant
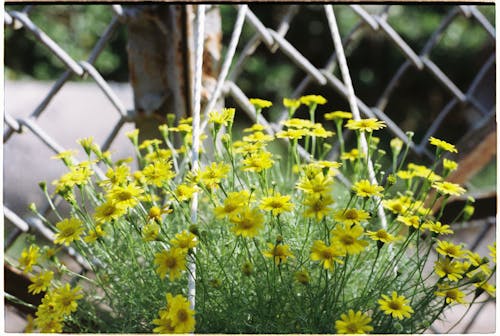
[276,244]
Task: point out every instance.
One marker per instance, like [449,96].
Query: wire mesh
[369,21]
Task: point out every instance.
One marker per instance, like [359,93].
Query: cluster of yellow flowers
[272,229]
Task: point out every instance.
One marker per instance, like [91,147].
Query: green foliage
[76,29]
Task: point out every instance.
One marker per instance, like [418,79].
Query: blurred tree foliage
[76,28]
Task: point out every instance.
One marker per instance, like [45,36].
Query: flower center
[171,262]
[182,315]
[348,240]
[351,214]
[352,327]
[395,305]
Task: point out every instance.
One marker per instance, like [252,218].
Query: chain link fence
[475,102]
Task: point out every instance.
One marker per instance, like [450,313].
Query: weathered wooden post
[160,51]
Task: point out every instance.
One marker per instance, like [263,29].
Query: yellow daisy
[171,261]
[69,229]
[346,237]
[353,323]
[364,188]
[351,216]
[396,306]
[326,255]
[365,125]
[280,253]
[443,145]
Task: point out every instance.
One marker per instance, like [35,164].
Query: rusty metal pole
[160,57]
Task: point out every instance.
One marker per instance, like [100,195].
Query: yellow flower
[149,144]
[257,162]
[233,203]
[448,188]
[437,227]
[30,325]
[353,323]
[53,326]
[94,234]
[185,192]
[258,137]
[410,221]
[364,188]
[279,252]
[116,177]
[396,306]
[109,211]
[302,277]
[442,145]
[449,165]
[319,184]
[326,255]
[247,222]
[40,282]
[164,324]
[493,252]
[260,103]
[127,196]
[133,136]
[405,174]
[158,173]
[224,117]
[325,164]
[171,261]
[29,258]
[318,205]
[319,132]
[351,216]
[292,134]
[474,258]
[184,240]
[65,298]
[212,175]
[338,115]
[347,238]
[449,249]
[365,125]
[424,172]
[66,156]
[78,175]
[351,155]
[298,123]
[180,314]
[48,315]
[276,203]
[69,229]
[396,206]
[255,128]
[150,231]
[451,294]
[381,235]
[487,287]
[447,268]
[159,154]
[291,103]
[313,100]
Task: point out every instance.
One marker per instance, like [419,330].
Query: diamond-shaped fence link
[370,20]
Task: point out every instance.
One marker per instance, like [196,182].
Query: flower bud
[468,211]
[247,268]
[396,145]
